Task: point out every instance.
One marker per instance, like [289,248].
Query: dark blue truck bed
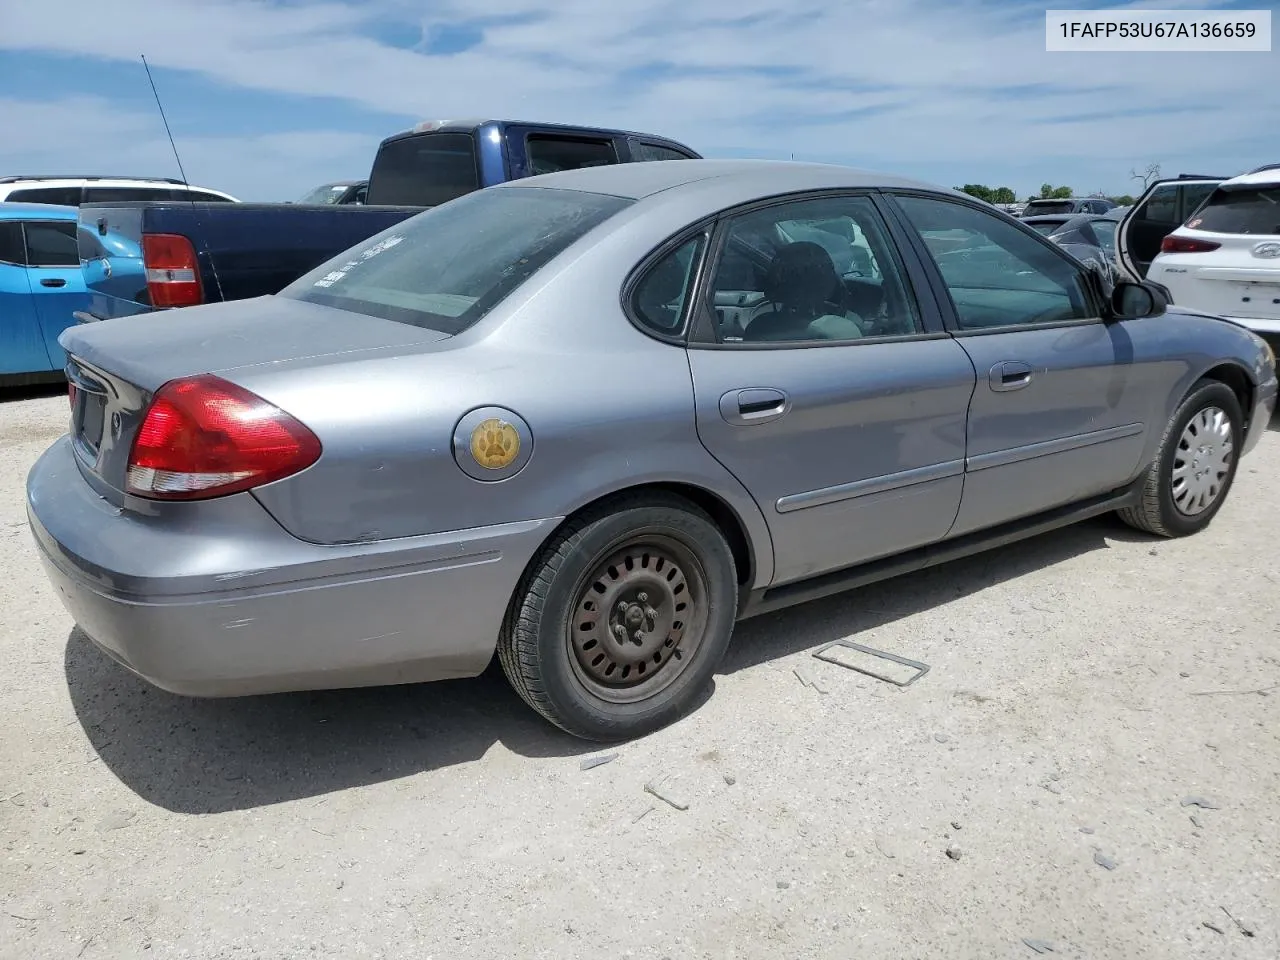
[204,253]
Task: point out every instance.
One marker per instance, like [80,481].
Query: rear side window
[662,294]
[199,196]
[1250,210]
[641,152]
[52,244]
[124,194]
[446,268]
[552,154]
[67,196]
[424,171]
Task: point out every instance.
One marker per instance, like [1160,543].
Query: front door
[57,283]
[827,386]
[1059,413]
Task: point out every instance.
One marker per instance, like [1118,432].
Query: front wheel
[1187,482]
[622,619]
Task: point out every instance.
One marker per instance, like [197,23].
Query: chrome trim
[1045,448]
[871,485]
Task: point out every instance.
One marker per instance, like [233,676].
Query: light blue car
[41,287]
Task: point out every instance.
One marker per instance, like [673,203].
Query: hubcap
[638,618]
[1202,461]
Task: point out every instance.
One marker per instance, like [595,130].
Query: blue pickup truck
[196,253]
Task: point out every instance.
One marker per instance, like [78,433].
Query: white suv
[1226,258]
[73,191]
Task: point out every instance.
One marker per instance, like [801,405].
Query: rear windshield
[424,170]
[1240,210]
[1052,206]
[446,268]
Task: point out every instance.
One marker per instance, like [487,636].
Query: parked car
[74,191]
[565,420]
[338,192]
[41,287]
[1036,208]
[1089,237]
[205,254]
[1162,207]
[1226,258]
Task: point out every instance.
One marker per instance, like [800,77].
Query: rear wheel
[622,619]
[1187,482]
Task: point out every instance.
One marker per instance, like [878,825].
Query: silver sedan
[589,420]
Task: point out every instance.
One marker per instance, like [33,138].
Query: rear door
[53,266]
[22,345]
[827,385]
[1156,214]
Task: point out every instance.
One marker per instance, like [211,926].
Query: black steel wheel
[622,619]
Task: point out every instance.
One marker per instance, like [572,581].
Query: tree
[1049,192]
[1124,200]
[981,191]
[1003,195]
[1150,174]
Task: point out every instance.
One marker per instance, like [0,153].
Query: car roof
[1264,177]
[9,184]
[38,211]
[636,181]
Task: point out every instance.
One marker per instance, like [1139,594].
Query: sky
[269,98]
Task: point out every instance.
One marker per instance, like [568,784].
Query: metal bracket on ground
[920,668]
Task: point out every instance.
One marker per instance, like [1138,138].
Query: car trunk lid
[115,366]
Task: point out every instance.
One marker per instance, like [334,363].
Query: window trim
[638,274]
[950,315]
[702,335]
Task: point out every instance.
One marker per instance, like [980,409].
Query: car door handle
[753,405]
[53,282]
[1010,375]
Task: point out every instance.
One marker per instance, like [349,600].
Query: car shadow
[30,387]
[192,755]
[209,756]
[1275,421]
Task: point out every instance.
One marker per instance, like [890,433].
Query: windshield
[1252,210]
[446,268]
[1037,207]
[424,170]
[329,193]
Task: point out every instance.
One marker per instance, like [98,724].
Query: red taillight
[1175,244]
[204,437]
[173,275]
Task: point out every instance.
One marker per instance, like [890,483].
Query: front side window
[663,292]
[1248,210]
[446,268]
[1161,206]
[811,270]
[549,154]
[424,170]
[996,273]
[52,244]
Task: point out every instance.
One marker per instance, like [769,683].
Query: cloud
[960,91]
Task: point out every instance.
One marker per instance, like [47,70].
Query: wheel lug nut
[620,632]
[638,637]
[622,606]
[643,598]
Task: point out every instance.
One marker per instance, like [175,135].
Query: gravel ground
[1084,686]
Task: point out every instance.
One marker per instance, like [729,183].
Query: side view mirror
[1131,301]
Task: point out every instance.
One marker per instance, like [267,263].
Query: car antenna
[183,174]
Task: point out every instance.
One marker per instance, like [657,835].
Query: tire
[561,631]
[1168,510]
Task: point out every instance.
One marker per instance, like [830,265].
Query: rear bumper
[230,604]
